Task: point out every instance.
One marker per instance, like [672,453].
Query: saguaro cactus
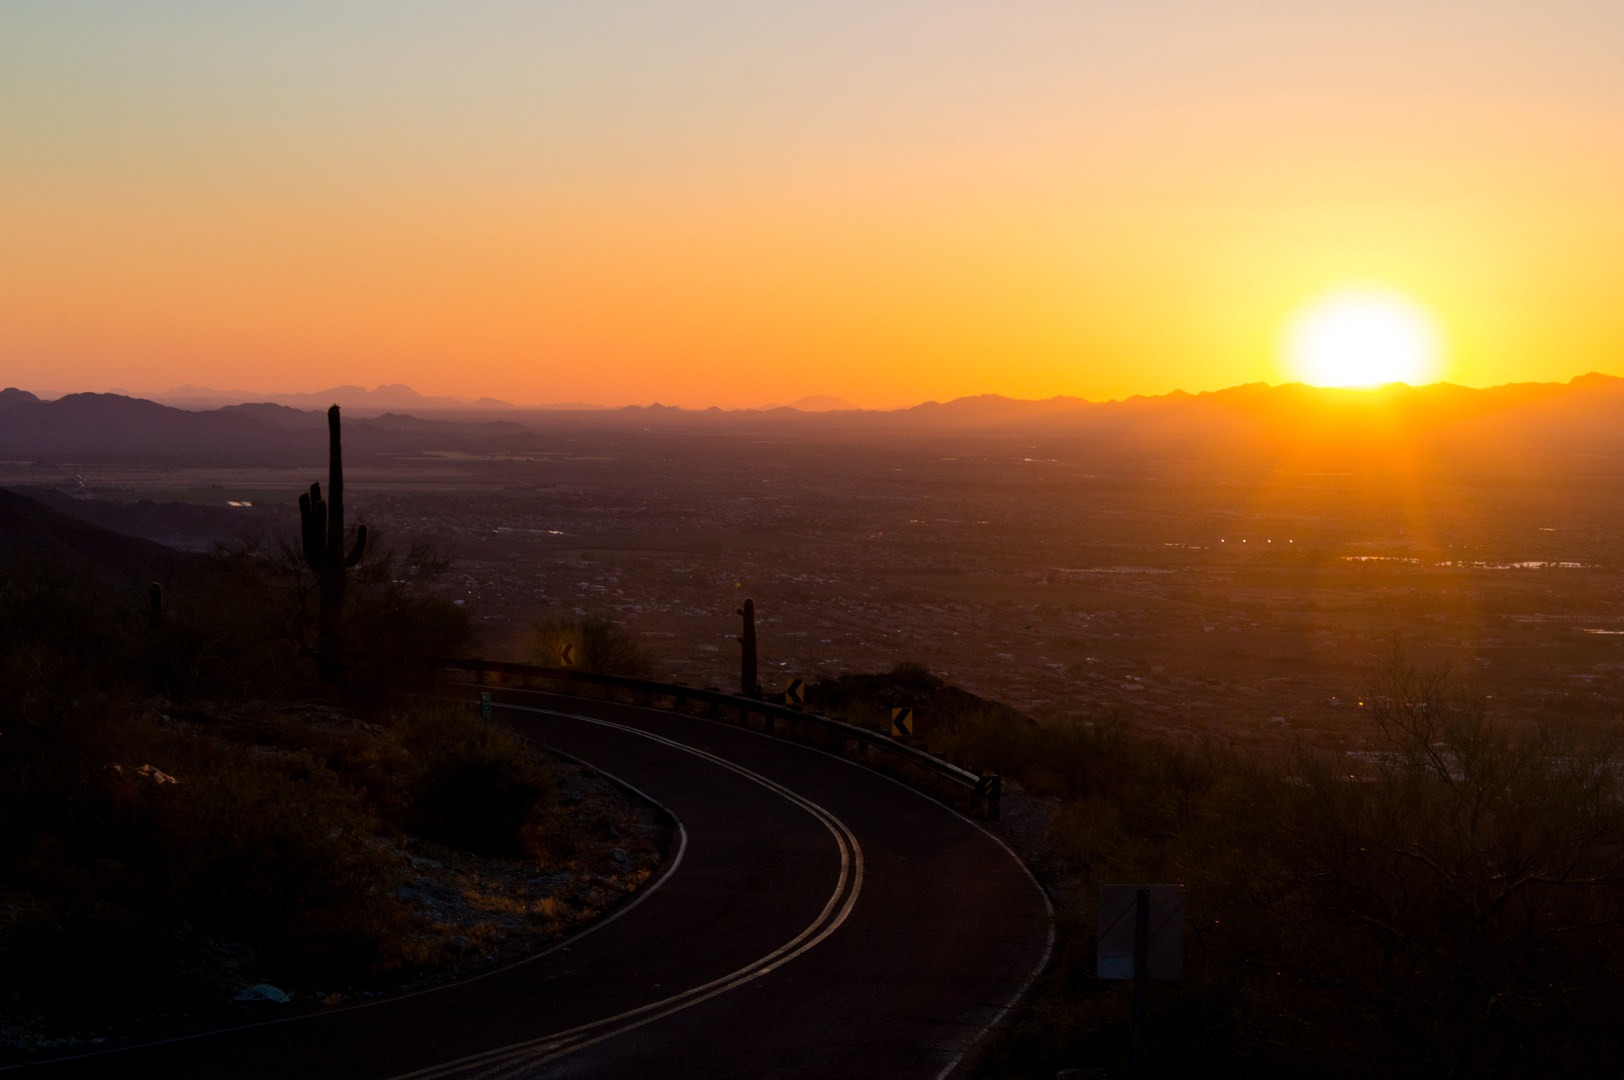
[321,527]
[749,685]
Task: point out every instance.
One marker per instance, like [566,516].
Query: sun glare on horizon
[1358,338]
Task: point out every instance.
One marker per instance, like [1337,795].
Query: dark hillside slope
[31,532]
[181,525]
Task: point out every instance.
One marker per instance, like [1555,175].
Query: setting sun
[1361,338]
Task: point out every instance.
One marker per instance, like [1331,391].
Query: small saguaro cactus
[321,529]
[749,686]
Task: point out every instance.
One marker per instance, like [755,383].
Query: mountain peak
[821,403]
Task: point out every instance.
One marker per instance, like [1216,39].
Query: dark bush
[1451,903]
[281,853]
[146,843]
[395,614]
[476,787]
[591,644]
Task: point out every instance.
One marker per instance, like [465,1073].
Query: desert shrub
[64,637]
[594,644]
[242,622]
[1450,904]
[229,627]
[1105,757]
[370,758]
[239,623]
[144,843]
[280,853]
[395,614]
[274,837]
[1464,885]
[914,676]
[939,707]
[475,786]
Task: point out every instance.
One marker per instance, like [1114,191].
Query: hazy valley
[1184,561]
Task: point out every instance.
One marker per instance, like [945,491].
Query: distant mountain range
[397,397]
[1588,410]
[114,428]
[814,403]
[357,399]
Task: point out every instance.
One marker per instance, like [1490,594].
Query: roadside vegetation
[591,644]
[183,802]
[1449,902]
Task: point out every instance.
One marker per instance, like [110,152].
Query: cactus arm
[358,552]
[313,528]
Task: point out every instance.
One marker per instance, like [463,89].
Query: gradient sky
[738,203]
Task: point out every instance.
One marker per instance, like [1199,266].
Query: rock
[546,884]
[262,992]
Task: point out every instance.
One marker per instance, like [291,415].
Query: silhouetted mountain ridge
[1294,417]
[357,400]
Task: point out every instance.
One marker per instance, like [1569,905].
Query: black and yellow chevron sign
[901,723]
[568,654]
[795,692]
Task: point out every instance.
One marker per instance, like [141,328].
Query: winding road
[814,920]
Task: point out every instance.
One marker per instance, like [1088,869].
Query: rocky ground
[472,914]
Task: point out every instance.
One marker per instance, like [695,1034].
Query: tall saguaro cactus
[321,527]
[749,686]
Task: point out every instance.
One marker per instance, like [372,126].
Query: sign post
[1141,938]
[485,706]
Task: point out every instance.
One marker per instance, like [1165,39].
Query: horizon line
[439,403]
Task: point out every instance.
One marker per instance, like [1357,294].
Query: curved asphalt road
[818,920]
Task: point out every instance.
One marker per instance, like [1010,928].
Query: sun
[1361,338]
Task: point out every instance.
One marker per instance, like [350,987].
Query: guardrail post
[989,790]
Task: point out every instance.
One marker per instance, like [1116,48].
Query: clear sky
[738,202]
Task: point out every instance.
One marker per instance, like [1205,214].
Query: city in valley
[1176,568]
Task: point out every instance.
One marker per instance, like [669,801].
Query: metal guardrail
[981,791]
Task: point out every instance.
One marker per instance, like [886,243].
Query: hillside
[30,530]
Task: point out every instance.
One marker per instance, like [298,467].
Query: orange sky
[744,203]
